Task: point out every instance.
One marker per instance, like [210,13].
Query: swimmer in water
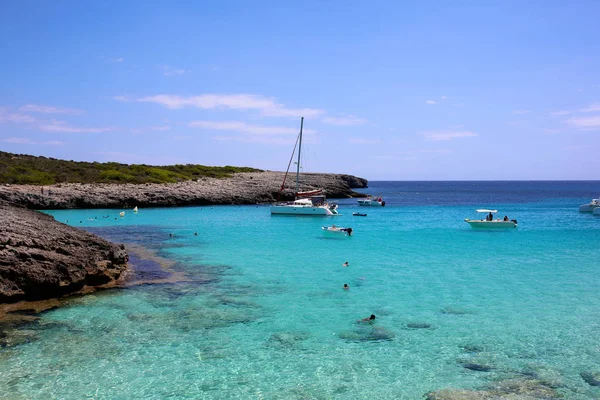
[346,264]
[370,319]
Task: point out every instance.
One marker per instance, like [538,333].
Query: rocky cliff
[41,258]
[242,188]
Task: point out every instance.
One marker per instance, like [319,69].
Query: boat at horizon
[490,221]
[371,201]
[311,202]
[590,207]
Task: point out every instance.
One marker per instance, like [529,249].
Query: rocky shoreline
[241,188]
[41,258]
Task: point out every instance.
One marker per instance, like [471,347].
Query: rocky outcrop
[515,389]
[41,258]
[242,188]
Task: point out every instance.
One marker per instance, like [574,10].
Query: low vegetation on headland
[21,169]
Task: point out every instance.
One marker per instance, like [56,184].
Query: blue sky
[462,90]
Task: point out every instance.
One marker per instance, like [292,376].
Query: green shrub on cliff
[26,169]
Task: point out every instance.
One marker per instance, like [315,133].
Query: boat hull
[497,224]
[588,208]
[301,210]
[596,211]
[337,231]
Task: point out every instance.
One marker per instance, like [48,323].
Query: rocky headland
[41,258]
[241,188]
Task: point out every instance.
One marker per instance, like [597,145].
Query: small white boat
[135,209]
[490,221]
[371,201]
[122,214]
[591,207]
[337,230]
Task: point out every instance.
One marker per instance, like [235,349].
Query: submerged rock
[472,348]
[592,378]
[41,258]
[455,311]
[288,340]
[368,333]
[418,325]
[477,367]
[514,389]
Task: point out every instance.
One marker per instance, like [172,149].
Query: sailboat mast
[299,150]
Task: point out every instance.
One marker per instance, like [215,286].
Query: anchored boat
[591,207]
[337,230]
[371,201]
[306,203]
[490,221]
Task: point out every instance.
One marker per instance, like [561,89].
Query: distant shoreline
[241,188]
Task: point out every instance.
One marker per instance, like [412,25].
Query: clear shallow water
[263,314]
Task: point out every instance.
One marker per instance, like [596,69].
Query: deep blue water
[261,312]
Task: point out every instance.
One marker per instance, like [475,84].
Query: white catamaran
[305,203]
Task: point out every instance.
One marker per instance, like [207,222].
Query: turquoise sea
[261,314]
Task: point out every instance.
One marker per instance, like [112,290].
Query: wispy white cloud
[152,128]
[243,127]
[118,59]
[36,108]
[585,122]
[277,140]
[430,102]
[16,118]
[447,135]
[21,140]
[172,71]
[344,121]
[363,141]
[444,97]
[61,126]
[594,107]
[521,112]
[560,113]
[265,105]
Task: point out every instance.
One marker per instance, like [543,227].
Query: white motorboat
[305,203]
[591,207]
[371,201]
[490,221]
[338,230]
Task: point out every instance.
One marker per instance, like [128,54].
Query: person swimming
[346,264]
[368,319]
[346,287]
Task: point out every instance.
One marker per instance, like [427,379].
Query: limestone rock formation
[242,188]
[41,258]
